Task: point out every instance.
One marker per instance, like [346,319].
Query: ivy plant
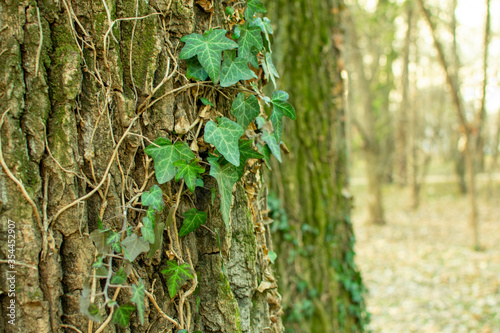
[253,130]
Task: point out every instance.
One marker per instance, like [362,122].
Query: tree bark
[321,285]
[86,85]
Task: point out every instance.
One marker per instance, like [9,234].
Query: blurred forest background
[423,132]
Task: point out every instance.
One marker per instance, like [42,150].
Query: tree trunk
[321,285]
[84,89]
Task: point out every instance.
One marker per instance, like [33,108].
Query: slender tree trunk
[375,171]
[321,286]
[466,127]
[79,79]
[402,126]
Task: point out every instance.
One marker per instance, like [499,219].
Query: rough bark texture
[76,107]
[321,286]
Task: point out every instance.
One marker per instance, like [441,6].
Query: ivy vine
[227,59]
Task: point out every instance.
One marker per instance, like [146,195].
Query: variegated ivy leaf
[138,293]
[193,220]
[165,154]
[245,110]
[224,137]
[272,144]
[122,314]
[254,6]
[234,69]
[269,69]
[250,40]
[208,47]
[153,198]
[147,230]
[195,70]
[226,177]
[189,172]
[281,107]
[177,275]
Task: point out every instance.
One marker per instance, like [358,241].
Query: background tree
[86,88]
[321,286]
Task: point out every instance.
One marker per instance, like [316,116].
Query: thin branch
[40,43]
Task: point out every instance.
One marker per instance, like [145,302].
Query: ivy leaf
[189,172]
[234,70]
[250,39]
[267,154]
[254,6]
[113,238]
[87,308]
[98,262]
[147,231]
[269,69]
[177,275]
[246,152]
[225,138]
[226,177]
[272,143]
[99,238]
[280,108]
[245,110]
[165,154]
[134,246]
[158,229]
[272,256]
[264,25]
[193,220]
[138,293]
[122,314]
[120,277]
[208,48]
[195,70]
[153,198]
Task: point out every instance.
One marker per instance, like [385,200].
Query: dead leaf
[206,5]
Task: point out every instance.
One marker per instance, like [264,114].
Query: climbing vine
[239,60]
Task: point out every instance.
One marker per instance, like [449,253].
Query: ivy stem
[174,224]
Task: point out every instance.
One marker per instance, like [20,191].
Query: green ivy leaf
[138,293]
[120,277]
[116,247]
[246,151]
[245,110]
[280,108]
[272,143]
[193,220]
[100,225]
[113,237]
[264,25]
[189,172]
[208,48]
[206,101]
[250,39]
[134,246]
[234,70]
[225,138]
[177,275]
[165,154]
[98,262]
[122,314]
[254,6]
[147,230]
[195,70]
[269,69]
[267,154]
[158,229]
[153,198]
[226,177]
[151,215]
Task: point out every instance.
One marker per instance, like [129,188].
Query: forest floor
[420,269]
